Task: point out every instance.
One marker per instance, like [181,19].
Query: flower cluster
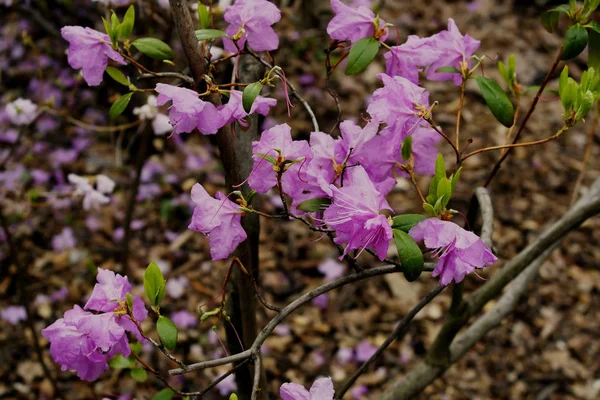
[84,341]
[92,197]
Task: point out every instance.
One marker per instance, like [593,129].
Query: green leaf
[167,332]
[106,26]
[444,190]
[454,178]
[203,16]
[233,396]
[406,149]
[136,347]
[594,49]
[563,80]
[569,94]
[448,69]
[410,255]
[120,362]
[497,100]
[117,75]
[119,106]
[439,204]
[165,394]
[128,21]
[139,374]
[154,284]
[405,222]
[129,300]
[429,209]
[550,20]
[361,55]
[207,34]
[267,158]
[250,94]
[440,167]
[114,27]
[314,205]
[503,73]
[575,41]
[154,48]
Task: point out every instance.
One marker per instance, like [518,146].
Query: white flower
[149,112]
[92,198]
[21,111]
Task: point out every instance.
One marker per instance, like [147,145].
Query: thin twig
[177,75]
[397,334]
[256,384]
[459,111]
[442,134]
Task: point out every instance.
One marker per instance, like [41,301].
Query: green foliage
[207,34]
[448,69]
[361,55]
[154,284]
[497,100]
[410,255]
[120,362]
[167,332]
[250,94]
[314,205]
[165,394]
[118,76]
[575,41]
[406,149]
[405,222]
[441,188]
[578,99]
[128,21]
[139,374]
[119,106]
[154,48]
[203,16]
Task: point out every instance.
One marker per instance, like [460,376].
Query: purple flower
[453,49]
[396,104]
[332,269]
[365,350]
[251,20]
[322,389]
[321,301]
[21,111]
[277,144]
[408,59]
[108,292]
[60,294]
[234,110]
[65,240]
[220,219]
[354,24]
[188,112]
[176,286]
[13,314]
[460,252]
[90,51]
[184,319]
[227,385]
[359,392]
[344,355]
[355,214]
[93,198]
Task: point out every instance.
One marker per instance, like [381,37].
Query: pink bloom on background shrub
[21,111]
[353,24]
[89,50]
[322,389]
[255,18]
[355,214]
[13,314]
[218,218]
[460,252]
[65,240]
[187,111]
[184,319]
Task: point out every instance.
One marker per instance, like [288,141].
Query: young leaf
[250,94]
[139,374]
[405,222]
[361,55]
[128,21]
[120,362]
[314,205]
[233,396]
[119,106]
[410,255]
[444,190]
[497,100]
[129,300]
[203,15]
[448,69]
[154,48]
[594,49]
[440,167]
[207,34]
[165,394]
[429,209]
[406,149]
[106,26]
[154,284]
[575,41]
[167,332]
[117,75]
[114,27]
[454,178]
[550,20]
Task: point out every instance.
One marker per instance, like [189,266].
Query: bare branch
[487,215]
[177,75]
[256,384]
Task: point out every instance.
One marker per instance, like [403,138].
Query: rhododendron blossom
[408,59]
[234,109]
[89,50]
[460,252]
[150,112]
[93,198]
[322,389]
[354,24]
[218,218]
[355,214]
[252,20]
[187,111]
[21,111]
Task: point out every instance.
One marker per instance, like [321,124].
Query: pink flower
[460,252]
[90,51]
[408,59]
[176,286]
[332,269]
[13,314]
[184,319]
[291,156]
[220,219]
[322,389]
[365,350]
[234,110]
[396,104]
[253,18]
[453,48]
[354,24]
[63,241]
[188,112]
[355,214]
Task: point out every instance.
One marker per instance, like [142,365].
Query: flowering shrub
[336,184]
